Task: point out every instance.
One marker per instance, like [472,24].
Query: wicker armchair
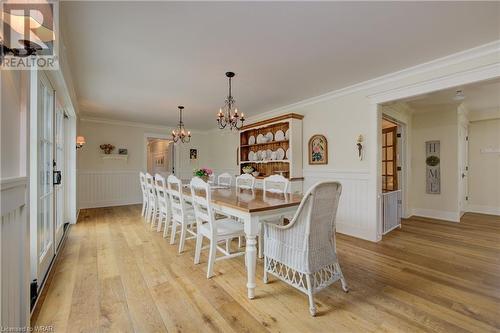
[303,253]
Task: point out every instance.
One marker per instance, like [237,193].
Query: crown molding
[433,65]
[149,126]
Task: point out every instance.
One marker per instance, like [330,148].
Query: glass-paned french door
[59,175]
[45,220]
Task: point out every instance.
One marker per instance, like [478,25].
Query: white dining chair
[182,214]
[224,179]
[276,184]
[245,181]
[303,253]
[162,199]
[207,226]
[142,182]
[152,206]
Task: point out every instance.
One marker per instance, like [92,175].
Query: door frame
[175,154]
[473,75]
[463,162]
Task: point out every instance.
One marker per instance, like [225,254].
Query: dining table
[251,207]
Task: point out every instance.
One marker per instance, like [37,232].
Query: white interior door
[59,176]
[45,219]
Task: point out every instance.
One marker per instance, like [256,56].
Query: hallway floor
[114,274]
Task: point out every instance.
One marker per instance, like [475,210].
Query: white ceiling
[479,96]
[138,61]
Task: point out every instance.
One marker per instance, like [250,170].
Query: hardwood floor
[114,274]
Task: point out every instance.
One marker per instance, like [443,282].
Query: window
[389,159]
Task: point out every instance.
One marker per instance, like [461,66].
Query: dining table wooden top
[250,201]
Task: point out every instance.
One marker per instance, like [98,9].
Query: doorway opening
[452,138]
[391,172]
[159,156]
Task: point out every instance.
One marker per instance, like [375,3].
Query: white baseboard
[109,204]
[491,210]
[437,214]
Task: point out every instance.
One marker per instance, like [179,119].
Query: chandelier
[180,132]
[228,114]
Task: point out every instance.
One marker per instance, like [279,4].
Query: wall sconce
[80,141]
[360,147]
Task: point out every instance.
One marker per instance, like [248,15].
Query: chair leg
[160,222]
[197,251]
[165,231]
[312,306]
[143,213]
[228,245]
[239,242]
[266,277]
[173,231]
[211,258]
[345,287]
[183,237]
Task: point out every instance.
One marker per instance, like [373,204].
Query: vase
[205,178]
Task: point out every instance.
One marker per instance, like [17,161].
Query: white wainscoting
[14,254]
[353,217]
[108,188]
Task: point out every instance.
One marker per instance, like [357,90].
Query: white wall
[484,168]
[116,182]
[344,114]
[14,227]
[221,151]
[429,125]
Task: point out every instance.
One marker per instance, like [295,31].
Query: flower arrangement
[203,173]
[107,148]
[248,169]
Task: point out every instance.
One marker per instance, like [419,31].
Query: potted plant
[203,173]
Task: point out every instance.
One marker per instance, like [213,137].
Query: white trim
[13,193]
[446,81]
[111,203]
[437,214]
[124,123]
[481,209]
[470,54]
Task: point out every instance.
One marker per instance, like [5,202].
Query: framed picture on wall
[193,154]
[318,149]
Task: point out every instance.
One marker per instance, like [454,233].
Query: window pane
[384,153]
[390,168]
[389,138]
[390,152]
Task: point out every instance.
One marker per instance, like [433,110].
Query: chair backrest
[161,191]
[201,199]
[142,181]
[245,181]
[276,184]
[150,186]
[317,213]
[224,179]
[177,203]
[211,178]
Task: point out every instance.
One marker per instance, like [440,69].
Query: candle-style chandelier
[180,133]
[228,114]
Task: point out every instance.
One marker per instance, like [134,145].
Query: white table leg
[251,230]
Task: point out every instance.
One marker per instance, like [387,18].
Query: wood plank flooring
[115,275]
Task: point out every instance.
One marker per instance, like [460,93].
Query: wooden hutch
[290,166]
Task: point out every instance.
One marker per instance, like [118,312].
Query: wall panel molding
[14,253]
[353,217]
[108,188]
